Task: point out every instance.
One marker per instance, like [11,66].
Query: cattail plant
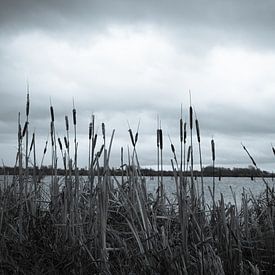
[34,179]
[213,167]
[21,186]
[158,152]
[161,162]
[67,137]
[191,150]
[26,132]
[181,140]
[75,142]
[54,185]
[184,141]
[200,155]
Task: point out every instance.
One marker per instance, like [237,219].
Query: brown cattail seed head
[132,137]
[100,151]
[74,116]
[160,139]
[25,128]
[52,113]
[121,156]
[66,143]
[173,148]
[103,130]
[191,117]
[181,130]
[28,105]
[198,130]
[213,149]
[67,123]
[45,149]
[32,142]
[90,130]
[94,141]
[60,144]
[136,138]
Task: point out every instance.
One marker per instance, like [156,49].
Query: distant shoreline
[207,172]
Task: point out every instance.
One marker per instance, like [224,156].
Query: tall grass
[104,225]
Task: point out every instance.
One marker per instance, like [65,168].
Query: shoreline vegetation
[94,227]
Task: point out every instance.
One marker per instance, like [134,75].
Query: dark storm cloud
[242,20]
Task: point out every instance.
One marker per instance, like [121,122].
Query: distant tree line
[207,172]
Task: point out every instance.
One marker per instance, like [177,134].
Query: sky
[130,61]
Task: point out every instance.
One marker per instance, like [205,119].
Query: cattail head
[60,144]
[93,124]
[66,143]
[136,138]
[132,137]
[94,141]
[198,130]
[103,130]
[19,128]
[67,123]
[74,116]
[32,142]
[121,156]
[185,132]
[90,130]
[28,105]
[52,132]
[160,139]
[213,149]
[25,128]
[52,113]
[45,149]
[100,151]
[181,130]
[191,117]
[173,148]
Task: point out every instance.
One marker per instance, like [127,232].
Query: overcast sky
[135,60]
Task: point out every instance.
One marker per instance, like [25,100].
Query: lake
[238,185]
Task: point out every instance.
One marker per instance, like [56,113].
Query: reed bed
[110,225]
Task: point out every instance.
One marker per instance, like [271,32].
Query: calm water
[238,185]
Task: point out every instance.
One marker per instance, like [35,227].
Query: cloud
[131,60]
[245,22]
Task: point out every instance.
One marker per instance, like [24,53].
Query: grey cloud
[219,20]
[190,26]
